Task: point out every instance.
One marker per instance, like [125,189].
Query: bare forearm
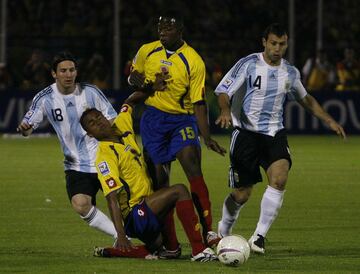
[201,115]
[116,215]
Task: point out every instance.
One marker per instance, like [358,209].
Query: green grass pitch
[317,231]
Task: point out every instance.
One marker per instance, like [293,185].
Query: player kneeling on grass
[136,210]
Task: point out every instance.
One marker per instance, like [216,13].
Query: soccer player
[170,123]
[257,87]
[135,209]
[62,103]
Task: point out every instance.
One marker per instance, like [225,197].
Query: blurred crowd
[221,31]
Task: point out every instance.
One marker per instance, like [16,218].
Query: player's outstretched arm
[310,103]
[202,121]
[24,128]
[122,242]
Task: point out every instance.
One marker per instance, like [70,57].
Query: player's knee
[181,192]
[81,205]
[241,195]
[278,181]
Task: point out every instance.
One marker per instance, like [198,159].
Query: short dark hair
[274,28]
[83,115]
[62,56]
[172,17]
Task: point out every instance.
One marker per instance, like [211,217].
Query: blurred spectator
[348,72]
[36,71]
[6,80]
[318,73]
[97,72]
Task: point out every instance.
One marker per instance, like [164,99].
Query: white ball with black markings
[233,250]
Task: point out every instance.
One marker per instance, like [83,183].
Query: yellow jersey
[187,70]
[121,167]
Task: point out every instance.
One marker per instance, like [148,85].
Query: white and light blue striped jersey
[258,92]
[64,112]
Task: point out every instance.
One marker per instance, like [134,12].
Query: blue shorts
[164,134]
[143,224]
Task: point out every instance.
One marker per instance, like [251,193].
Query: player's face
[97,125]
[275,48]
[65,76]
[169,35]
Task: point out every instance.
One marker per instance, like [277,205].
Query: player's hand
[337,128]
[136,79]
[160,81]
[24,128]
[224,120]
[123,243]
[214,146]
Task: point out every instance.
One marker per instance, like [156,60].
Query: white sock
[230,213]
[95,218]
[270,206]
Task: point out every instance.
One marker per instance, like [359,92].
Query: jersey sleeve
[35,114]
[138,62]
[297,90]
[124,121]
[197,82]
[233,79]
[107,170]
[103,104]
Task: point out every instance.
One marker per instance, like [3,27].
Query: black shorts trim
[82,183]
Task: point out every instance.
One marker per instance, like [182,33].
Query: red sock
[169,232]
[186,213]
[139,251]
[200,194]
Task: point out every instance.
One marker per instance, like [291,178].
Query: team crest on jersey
[227,83]
[29,114]
[111,183]
[164,69]
[104,168]
[124,108]
[166,62]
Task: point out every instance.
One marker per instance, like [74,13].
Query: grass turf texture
[317,230]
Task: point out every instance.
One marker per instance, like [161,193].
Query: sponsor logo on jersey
[227,83]
[111,183]
[124,108]
[166,62]
[104,168]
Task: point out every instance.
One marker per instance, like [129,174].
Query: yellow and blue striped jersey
[121,167]
[187,70]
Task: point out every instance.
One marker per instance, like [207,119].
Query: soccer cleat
[169,254]
[257,244]
[212,239]
[206,255]
[98,252]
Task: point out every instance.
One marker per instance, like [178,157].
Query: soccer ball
[233,250]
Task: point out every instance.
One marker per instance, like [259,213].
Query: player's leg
[244,172]
[231,209]
[277,165]
[189,158]
[82,188]
[154,132]
[161,201]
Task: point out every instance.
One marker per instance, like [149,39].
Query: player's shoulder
[152,46]
[44,93]
[290,67]
[251,58]
[189,50]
